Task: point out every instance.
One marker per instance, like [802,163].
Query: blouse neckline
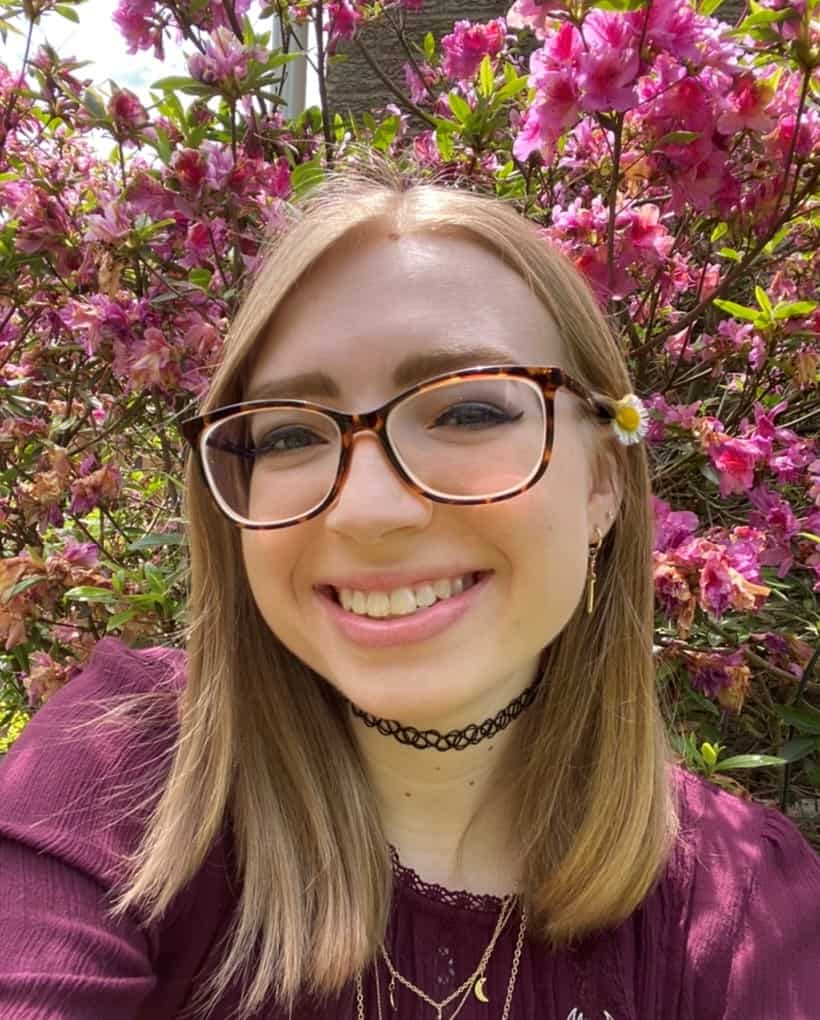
[460,899]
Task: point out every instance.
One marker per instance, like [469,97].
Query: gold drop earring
[591,565]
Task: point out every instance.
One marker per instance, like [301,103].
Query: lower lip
[401,630]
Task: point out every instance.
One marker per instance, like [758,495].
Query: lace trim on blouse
[459,899]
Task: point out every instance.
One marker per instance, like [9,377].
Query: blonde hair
[264,742]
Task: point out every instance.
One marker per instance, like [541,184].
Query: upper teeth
[402,601]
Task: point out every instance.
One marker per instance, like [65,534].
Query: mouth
[414,600]
[418,625]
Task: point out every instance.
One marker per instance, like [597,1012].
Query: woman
[419,768]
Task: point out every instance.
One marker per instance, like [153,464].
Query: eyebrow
[413,369]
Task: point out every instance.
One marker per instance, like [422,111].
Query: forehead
[378,314]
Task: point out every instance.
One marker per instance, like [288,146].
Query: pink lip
[400,630]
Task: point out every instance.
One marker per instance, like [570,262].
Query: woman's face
[365,310]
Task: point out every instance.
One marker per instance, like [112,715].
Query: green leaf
[764,302]
[777,239]
[792,309]
[738,311]
[175,81]
[163,146]
[116,620]
[718,232]
[155,539]
[798,748]
[512,88]
[429,46]
[20,587]
[707,7]
[445,144]
[679,137]
[88,593]
[486,78]
[748,761]
[804,717]
[620,5]
[305,176]
[67,12]
[385,133]
[763,18]
[460,107]
[93,103]
[730,253]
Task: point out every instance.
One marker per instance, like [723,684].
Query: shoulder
[744,885]
[72,780]
[731,843]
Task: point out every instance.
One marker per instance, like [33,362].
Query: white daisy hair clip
[630,421]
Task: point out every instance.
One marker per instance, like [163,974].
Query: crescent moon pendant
[478,988]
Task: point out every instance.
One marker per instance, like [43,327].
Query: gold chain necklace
[464,990]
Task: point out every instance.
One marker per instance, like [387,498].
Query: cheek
[543,535]
[267,560]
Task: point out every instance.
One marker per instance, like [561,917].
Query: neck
[427,797]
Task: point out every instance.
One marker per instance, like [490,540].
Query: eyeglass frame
[549,379]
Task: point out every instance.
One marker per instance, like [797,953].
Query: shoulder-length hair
[264,744]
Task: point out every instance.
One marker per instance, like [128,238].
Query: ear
[606,488]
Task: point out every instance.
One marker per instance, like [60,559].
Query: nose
[374,499]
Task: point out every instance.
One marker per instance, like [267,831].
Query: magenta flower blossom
[673,27]
[774,516]
[225,60]
[746,108]
[127,113]
[139,25]
[534,14]
[467,45]
[342,18]
[608,67]
[102,486]
[735,460]
[672,526]
[81,554]
[154,366]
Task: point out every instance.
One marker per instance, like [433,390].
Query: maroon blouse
[731,932]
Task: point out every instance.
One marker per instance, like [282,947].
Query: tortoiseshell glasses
[475,436]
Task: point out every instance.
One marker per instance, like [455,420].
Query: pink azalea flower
[81,554]
[776,519]
[647,238]
[467,45]
[341,21]
[113,224]
[673,28]
[745,108]
[735,460]
[608,67]
[225,59]
[534,14]
[128,114]
[673,592]
[190,167]
[154,366]
[672,526]
[103,485]
[136,20]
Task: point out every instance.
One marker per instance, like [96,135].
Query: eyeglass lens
[466,438]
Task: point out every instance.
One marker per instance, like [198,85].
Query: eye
[287,438]
[474,414]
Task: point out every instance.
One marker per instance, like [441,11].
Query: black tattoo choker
[455,740]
